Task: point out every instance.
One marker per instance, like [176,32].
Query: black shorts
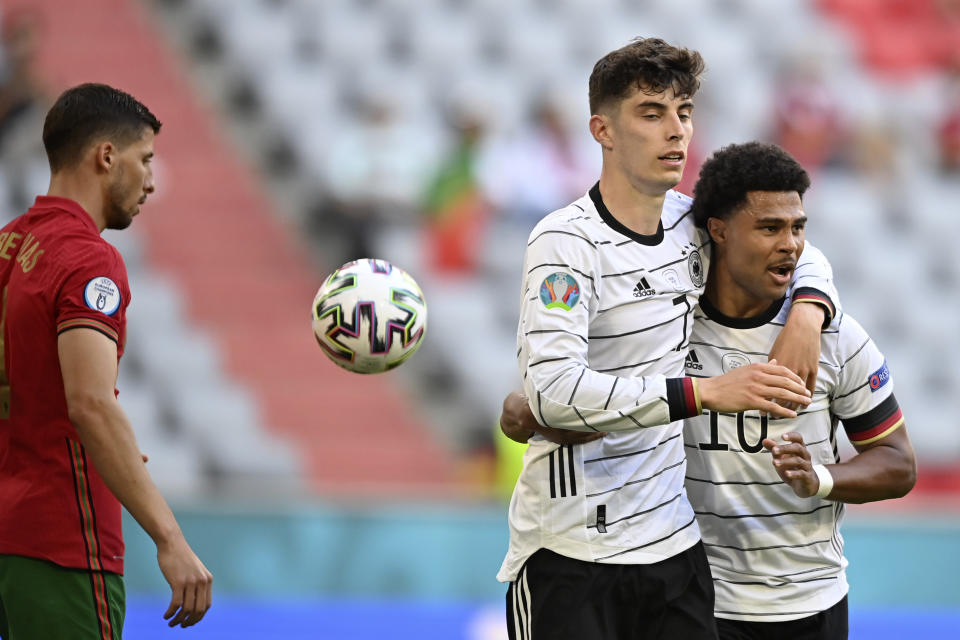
[826,625]
[558,598]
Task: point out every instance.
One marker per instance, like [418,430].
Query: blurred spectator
[376,170]
[948,134]
[873,151]
[543,168]
[23,103]
[455,209]
[808,121]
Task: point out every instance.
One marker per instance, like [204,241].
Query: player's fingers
[784,396]
[791,462]
[811,381]
[190,604]
[206,591]
[776,381]
[768,443]
[788,448]
[200,607]
[775,409]
[779,370]
[175,601]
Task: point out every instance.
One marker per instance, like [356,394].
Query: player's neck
[81,190]
[729,298]
[637,209]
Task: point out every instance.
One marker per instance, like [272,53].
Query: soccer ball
[369,316]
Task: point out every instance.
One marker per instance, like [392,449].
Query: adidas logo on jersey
[643,289]
[692,362]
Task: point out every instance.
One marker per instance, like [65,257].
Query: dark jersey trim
[812,294]
[88,323]
[681,399]
[751,322]
[605,215]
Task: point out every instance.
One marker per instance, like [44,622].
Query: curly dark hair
[649,64]
[89,111]
[737,169]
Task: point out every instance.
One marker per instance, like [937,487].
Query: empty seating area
[353,108]
[878,207]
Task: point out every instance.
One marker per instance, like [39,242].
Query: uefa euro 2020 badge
[559,291]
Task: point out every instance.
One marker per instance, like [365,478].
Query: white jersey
[775,556]
[605,321]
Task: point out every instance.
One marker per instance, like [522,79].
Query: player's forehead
[144,143]
[641,94]
[761,205]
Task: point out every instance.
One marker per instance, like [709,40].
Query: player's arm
[518,423]
[882,469]
[814,306]
[565,393]
[88,362]
[863,399]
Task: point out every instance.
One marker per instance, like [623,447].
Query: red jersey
[56,274]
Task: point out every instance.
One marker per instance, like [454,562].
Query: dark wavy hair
[737,169]
[88,112]
[648,64]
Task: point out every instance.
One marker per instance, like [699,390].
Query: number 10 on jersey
[716,445]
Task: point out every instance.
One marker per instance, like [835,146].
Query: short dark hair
[649,64]
[90,111]
[733,171]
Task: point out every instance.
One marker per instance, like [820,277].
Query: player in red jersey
[68,455]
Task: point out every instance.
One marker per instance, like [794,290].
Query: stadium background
[432,133]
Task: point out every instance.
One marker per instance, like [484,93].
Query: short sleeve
[864,399]
[95,293]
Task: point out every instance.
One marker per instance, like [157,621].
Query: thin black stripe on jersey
[637,481]
[775,556]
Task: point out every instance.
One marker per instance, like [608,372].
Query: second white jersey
[775,556]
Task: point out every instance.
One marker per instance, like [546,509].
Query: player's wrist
[825,479]
[705,395]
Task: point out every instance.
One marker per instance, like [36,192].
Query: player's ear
[105,155]
[717,228]
[600,130]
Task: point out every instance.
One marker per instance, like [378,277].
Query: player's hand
[798,345]
[519,424]
[754,386]
[190,583]
[791,459]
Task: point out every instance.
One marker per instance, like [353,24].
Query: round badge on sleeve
[559,291]
[102,294]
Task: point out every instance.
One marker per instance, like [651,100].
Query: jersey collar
[66,204]
[650,240]
[751,322]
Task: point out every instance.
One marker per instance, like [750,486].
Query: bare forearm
[108,438]
[879,473]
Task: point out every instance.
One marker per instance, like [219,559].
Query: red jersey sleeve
[95,294]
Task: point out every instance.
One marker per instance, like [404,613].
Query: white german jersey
[604,325]
[775,556]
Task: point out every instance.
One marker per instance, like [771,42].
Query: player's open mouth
[674,157]
[782,272]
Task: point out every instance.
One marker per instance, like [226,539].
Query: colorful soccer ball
[369,316]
